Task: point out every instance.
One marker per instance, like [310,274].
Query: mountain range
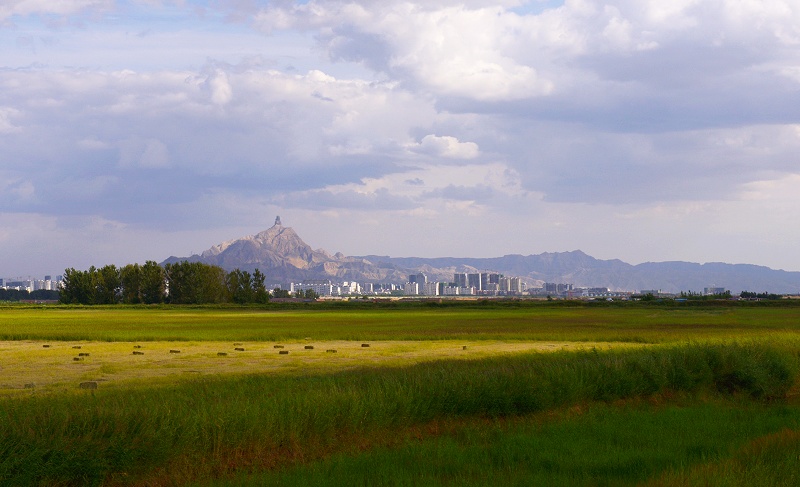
[283,257]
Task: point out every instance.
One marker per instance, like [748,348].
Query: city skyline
[132,130]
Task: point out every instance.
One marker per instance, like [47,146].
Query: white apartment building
[430,289]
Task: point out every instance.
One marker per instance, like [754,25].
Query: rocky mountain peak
[283,256]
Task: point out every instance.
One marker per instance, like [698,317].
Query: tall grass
[714,443]
[768,461]
[208,428]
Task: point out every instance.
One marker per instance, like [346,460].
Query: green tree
[280,293]
[77,286]
[131,278]
[240,287]
[195,283]
[260,293]
[153,283]
[107,285]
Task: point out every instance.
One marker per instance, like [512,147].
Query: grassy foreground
[542,322]
[208,429]
[714,443]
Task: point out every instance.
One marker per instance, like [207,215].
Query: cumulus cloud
[458,49]
[573,117]
[221,90]
[431,187]
[446,146]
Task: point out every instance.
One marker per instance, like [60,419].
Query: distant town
[29,284]
[484,284]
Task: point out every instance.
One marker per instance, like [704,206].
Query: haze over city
[132,130]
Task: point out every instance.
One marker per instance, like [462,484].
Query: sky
[640,130]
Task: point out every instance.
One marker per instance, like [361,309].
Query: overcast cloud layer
[642,130]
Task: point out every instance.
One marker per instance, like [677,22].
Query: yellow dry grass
[36,366]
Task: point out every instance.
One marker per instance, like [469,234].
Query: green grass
[598,446]
[554,323]
[770,460]
[211,428]
[356,425]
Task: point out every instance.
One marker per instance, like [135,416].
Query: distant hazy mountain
[585,271]
[283,256]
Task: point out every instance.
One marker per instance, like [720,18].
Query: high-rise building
[484,281]
[460,279]
[418,278]
[474,280]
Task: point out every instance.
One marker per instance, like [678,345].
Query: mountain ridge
[283,256]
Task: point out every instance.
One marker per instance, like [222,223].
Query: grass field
[542,322]
[551,395]
[28,367]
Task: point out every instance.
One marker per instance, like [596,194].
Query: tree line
[24,295]
[176,283]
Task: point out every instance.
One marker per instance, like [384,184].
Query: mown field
[416,395]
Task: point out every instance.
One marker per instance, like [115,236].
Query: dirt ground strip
[39,366]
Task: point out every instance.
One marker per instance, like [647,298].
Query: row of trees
[22,295]
[179,283]
[764,295]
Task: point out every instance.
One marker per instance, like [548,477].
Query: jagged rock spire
[277,221]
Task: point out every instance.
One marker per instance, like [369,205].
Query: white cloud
[446,146]
[433,187]
[10,8]
[6,125]
[221,90]
[639,126]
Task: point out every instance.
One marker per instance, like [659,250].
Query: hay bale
[174,351]
[137,346]
[83,354]
[238,344]
[330,350]
[138,353]
[45,346]
[309,347]
[77,359]
[464,347]
[78,347]
[239,349]
[222,354]
[365,345]
[283,352]
[88,385]
[278,346]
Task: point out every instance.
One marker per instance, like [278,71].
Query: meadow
[418,395]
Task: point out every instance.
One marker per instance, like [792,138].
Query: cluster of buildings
[472,284]
[30,285]
[463,284]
